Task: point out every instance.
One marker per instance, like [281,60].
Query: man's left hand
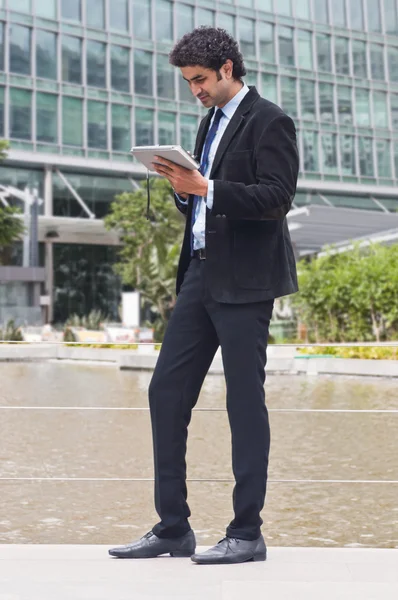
[183,181]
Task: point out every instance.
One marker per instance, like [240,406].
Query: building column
[49,249]
[49,285]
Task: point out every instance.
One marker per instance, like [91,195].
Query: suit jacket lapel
[233,126]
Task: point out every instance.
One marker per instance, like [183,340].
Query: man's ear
[228,68]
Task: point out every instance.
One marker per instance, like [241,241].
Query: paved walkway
[63,572]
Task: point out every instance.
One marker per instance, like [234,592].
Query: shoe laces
[229,539]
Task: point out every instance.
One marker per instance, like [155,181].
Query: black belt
[200,254]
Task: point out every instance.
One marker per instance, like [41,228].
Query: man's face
[212,88]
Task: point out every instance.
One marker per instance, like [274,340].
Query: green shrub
[11,333]
[69,336]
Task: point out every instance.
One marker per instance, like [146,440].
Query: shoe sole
[173,554]
[255,558]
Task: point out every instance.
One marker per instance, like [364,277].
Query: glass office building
[83,80]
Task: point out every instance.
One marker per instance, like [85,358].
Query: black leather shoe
[232,551]
[151,546]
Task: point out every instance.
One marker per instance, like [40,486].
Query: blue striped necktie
[204,163]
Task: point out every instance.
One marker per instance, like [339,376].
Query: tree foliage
[11,228]
[149,256]
[350,296]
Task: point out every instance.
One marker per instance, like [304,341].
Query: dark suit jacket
[249,254]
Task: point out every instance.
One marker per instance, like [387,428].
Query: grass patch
[366,352]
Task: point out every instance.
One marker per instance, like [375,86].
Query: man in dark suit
[236,258]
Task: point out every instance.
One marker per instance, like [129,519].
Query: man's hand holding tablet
[183,181]
[177,165]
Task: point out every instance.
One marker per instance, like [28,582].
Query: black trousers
[198,326]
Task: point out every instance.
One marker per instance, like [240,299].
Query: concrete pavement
[66,572]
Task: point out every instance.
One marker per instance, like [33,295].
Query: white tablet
[177,154]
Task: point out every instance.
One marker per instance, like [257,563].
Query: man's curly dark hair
[208,47]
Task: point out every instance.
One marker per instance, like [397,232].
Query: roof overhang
[323,226]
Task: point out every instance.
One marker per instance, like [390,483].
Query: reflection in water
[103,444]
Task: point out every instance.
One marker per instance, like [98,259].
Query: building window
[97,125]
[326,103]
[143,71]
[323,51]
[120,68]
[71,59]
[46,8]
[20,49]
[205,17]
[289,95]
[377,61]
[366,157]
[1,46]
[359,59]
[362,107]
[95,13]
[321,11]
[338,12]
[46,54]
[347,152]
[344,103]
[251,77]
[268,87]
[121,136]
[72,121]
[356,15]
[302,9]
[394,111]
[284,7]
[311,153]
[167,128]
[342,55]
[142,19]
[247,39]
[265,5]
[71,9]
[226,22]
[390,16]
[165,77]
[393,63]
[1,111]
[119,15]
[20,114]
[185,19]
[144,127]
[96,68]
[307,94]
[380,115]
[164,21]
[266,41]
[286,48]
[383,152]
[188,130]
[20,5]
[374,19]
[304,43]
[47,118]
[329,153]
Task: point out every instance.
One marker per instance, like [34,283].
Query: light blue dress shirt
[199,226]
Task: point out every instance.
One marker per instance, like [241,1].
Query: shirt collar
[230,108]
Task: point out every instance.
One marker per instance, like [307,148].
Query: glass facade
[86,79]
[331,64]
